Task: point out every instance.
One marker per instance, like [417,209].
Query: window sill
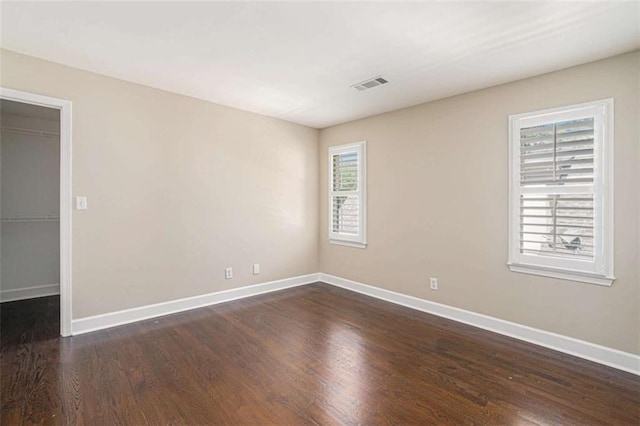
[563,275]
[348,243]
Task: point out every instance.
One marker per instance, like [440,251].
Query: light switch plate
[81,203]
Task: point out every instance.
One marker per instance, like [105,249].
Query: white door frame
[65,193]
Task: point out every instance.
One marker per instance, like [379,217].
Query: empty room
[319,213]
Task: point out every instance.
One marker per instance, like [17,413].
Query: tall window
[347,195]
[561,192]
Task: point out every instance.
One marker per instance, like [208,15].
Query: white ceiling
[296,61]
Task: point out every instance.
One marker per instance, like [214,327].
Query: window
[347,195]
[561,192]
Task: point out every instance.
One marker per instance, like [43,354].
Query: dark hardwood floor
[308,355]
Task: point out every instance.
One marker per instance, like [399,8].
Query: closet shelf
[30,219]
[32,132]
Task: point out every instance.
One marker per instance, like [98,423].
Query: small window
[347,195]
[561,193]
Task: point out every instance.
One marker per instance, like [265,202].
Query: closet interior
[29,201]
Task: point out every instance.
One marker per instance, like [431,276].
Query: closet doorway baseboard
[65,193]
[13,294]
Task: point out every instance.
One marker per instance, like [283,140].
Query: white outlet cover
[228,273]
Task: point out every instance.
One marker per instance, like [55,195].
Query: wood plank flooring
[308,355]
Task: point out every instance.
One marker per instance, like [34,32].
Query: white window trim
[602,271]
[360,240]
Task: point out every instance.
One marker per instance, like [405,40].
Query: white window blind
[561,214]
[347,215]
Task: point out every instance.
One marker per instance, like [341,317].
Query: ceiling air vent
[370,83]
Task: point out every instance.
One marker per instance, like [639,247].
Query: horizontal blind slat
[549,154]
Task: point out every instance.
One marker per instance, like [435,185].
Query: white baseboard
[113,319]
[9,295]
[601,354]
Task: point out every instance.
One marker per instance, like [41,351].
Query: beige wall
[177,190]
[437,205]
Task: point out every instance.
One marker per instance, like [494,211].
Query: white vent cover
[370,83]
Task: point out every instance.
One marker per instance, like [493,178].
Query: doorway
[35,239]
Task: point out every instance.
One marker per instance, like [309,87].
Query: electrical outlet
[433,282]
[256,268]
[228,273]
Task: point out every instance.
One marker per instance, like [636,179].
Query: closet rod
[30,219]
[28,131]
